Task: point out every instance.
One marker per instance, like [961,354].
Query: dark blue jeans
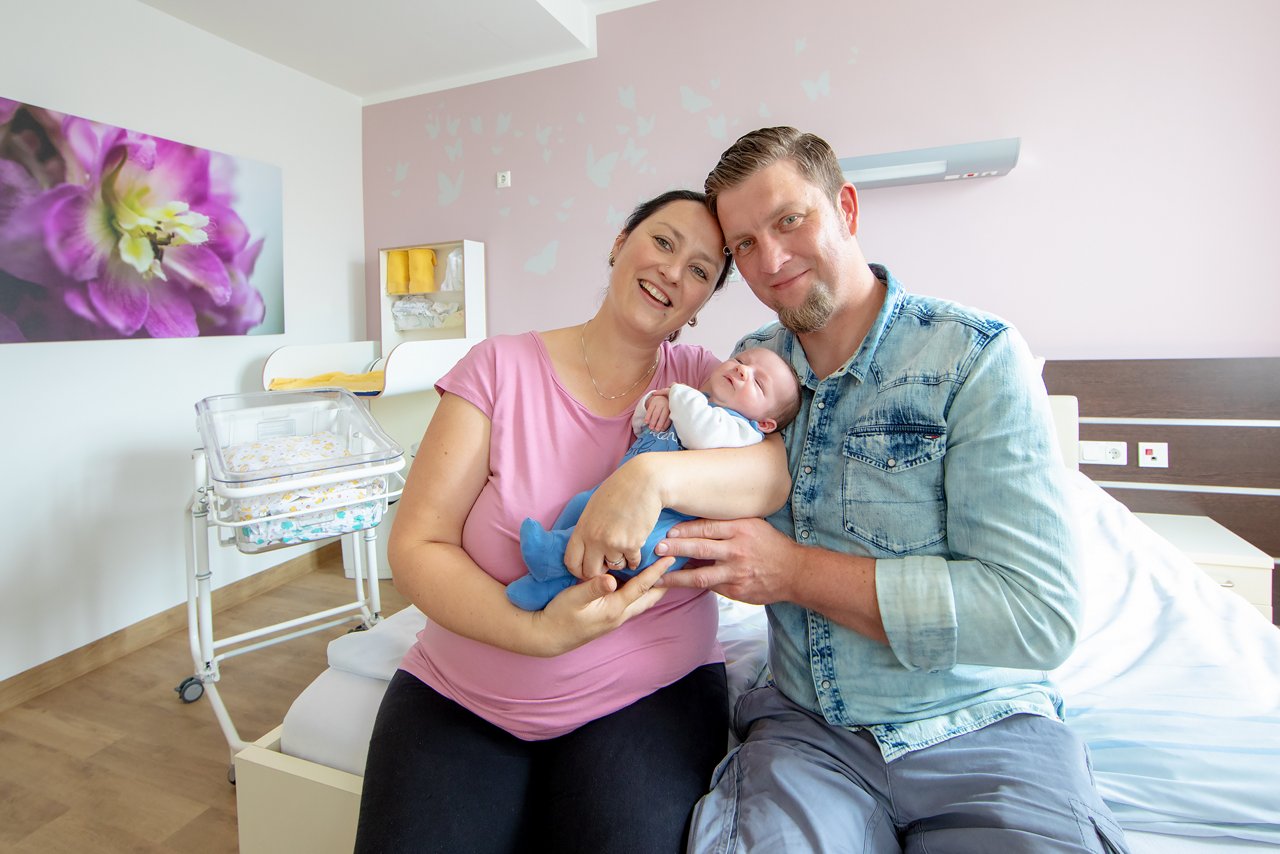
[439,778]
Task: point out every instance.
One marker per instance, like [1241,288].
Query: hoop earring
[693,321]
[610,259]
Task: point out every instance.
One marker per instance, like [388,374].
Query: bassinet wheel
[190,689]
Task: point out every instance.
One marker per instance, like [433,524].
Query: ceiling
[397,48]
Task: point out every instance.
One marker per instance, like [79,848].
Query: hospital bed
[1175,686]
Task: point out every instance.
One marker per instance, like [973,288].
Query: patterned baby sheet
[310,512]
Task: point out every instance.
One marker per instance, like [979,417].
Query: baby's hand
[657,411]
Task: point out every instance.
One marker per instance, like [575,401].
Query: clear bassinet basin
[293,466]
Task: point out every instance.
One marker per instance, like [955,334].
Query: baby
[752,394]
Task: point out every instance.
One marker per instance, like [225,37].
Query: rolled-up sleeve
[1006,592]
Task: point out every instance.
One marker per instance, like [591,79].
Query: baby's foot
[542,550]
[531,594]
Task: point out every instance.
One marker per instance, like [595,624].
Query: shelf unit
[411,359]
[415,358]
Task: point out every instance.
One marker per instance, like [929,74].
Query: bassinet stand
[205,649]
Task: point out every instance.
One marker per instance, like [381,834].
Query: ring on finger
[616,564]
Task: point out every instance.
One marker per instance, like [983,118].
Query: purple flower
[130,233]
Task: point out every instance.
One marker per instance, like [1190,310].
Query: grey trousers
[798,784]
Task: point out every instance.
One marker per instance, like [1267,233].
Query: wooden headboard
[1221,419]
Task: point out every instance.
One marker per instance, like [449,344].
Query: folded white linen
[377,651]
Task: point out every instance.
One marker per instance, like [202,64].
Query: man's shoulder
[772,336]
[927,309]
[932,337]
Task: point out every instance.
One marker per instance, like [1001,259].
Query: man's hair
[762,148]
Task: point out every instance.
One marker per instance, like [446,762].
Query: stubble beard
[813,313]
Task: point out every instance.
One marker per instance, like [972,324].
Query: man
[919,581]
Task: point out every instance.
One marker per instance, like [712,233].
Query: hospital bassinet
[291,467]
[279,469]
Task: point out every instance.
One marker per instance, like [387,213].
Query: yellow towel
[372,382]
[398,271]
[422,271]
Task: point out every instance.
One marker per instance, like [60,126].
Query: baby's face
[754,383]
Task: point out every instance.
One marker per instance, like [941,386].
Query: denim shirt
[932,451]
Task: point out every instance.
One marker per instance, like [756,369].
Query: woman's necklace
[582,340]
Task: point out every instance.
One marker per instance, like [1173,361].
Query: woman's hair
[762,148]
[644,210]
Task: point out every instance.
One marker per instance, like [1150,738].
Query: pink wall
[1147,184]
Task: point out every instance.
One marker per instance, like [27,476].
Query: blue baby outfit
[543,550]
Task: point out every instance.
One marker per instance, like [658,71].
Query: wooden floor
[114,761]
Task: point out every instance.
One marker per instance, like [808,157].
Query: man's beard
[813,313]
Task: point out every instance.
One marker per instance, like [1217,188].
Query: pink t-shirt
[544,448]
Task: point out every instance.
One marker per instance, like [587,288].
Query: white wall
[96,437]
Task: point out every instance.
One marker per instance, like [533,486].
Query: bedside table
[1224,556]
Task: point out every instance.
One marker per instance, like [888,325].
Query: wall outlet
[1104,453]
[1153,455]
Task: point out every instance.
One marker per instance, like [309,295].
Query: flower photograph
[108,233]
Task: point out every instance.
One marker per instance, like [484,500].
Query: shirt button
[804,535]
[892,462]
[821,405]
[808,469]
[826,683]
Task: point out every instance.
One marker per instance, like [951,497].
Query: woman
[594,724]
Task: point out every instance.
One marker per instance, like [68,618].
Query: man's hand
[751,561]
[754,563]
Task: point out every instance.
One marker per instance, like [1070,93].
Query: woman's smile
[655,293]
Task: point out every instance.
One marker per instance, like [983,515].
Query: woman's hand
[586,611]
[617,520]
[723,483]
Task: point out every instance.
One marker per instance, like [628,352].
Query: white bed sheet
[1175,686]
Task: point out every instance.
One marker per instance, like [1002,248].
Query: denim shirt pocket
[892,492]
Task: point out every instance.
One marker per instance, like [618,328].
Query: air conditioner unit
[945,163]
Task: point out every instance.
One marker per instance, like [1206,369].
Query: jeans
[1021,785]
